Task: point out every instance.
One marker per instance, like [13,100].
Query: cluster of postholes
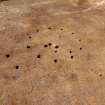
[50,44]
[46,46]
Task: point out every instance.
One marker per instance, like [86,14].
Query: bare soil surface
[52,52]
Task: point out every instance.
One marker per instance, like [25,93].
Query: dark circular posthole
[55,60]
[55,51]
[80,48]
[38,56]
[30,37]
[17,67]
[37,30]
[50,44]
[61,29]
[49,28]
[7,55]
[45,45]
[79,40]
[100,75]
[72,57]
[28,46]
[56,46]
[70,51]
[73,33]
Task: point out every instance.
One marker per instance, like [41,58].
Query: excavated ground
[52,52]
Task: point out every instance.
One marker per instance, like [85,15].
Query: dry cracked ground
[52,52]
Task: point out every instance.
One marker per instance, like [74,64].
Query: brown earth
[52,52]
